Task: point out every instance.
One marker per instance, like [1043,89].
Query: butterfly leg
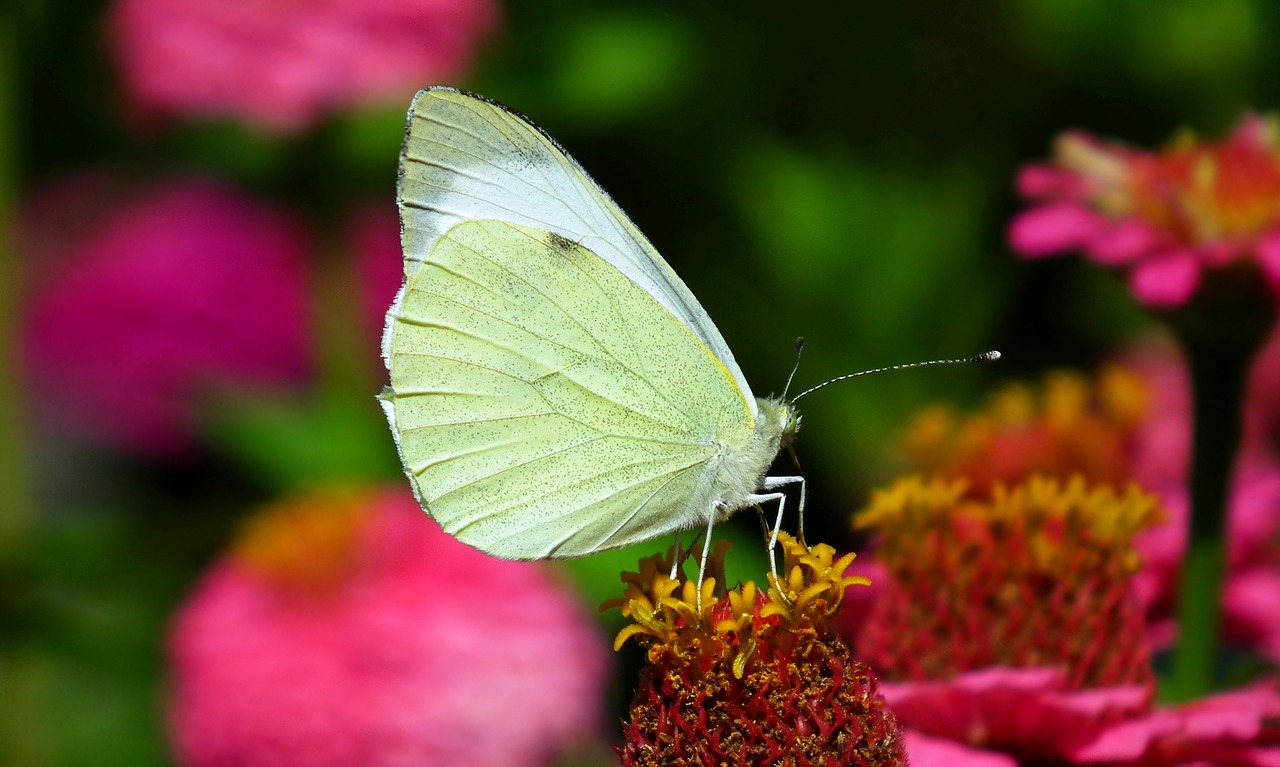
[676,557]
[772,483]
[702,566]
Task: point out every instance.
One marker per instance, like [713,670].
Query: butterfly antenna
[990,356]
[794,368]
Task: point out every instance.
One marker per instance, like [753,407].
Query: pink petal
[1253,130]
[1219,253]
[1124,242]
[1251,602]
[925,751]
[1027,708]
[1166,281]
[1268,256]
[1053,228]
[1229,719]
[1048,181]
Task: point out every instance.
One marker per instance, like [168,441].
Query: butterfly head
[790,423]
[778,421]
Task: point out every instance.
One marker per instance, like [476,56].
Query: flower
[146,299]
[744,677]
[281,65]
[1007,632]
[345,628]
[1168,218]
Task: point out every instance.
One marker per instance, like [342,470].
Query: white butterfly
[556,390]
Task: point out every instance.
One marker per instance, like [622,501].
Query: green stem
[1219,335]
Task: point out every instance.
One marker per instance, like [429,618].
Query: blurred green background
[842,173]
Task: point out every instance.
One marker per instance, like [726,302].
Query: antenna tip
[990,356]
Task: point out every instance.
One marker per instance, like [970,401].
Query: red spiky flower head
[751,677]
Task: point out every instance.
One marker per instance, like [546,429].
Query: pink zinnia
[146,299]
[346,629]
[1007,633]
[1130,423]
[283,64]
[1167,217]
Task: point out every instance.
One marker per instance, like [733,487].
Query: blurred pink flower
[346,628]
[374,241]
[283,64]
[144,299]
[1165,217]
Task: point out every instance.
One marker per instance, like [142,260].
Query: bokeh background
[842,173]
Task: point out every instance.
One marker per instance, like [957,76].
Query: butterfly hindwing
[546,405]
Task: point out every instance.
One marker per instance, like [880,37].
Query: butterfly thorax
[743,466]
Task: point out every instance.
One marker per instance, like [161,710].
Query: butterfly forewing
[466,158]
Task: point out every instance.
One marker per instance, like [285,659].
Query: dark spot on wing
[560,243]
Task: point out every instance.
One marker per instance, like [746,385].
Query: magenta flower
[346,628]
[373,238]
[146,299]
[1166,218]
[283,64]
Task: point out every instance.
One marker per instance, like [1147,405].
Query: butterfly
[556,390]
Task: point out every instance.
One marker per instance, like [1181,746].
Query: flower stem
[1219,335]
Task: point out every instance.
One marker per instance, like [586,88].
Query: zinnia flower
[1129,423]
[752,677]
[344,628]
[1008,633]
[1167,217]
[283,64]
[145,299]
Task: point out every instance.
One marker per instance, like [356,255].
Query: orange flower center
[307,543]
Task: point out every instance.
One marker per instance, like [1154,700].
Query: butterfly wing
[467,158]
[547,406]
